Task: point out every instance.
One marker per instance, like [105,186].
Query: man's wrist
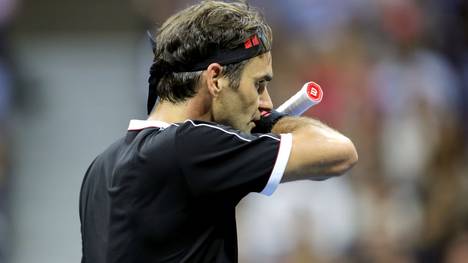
[267,121]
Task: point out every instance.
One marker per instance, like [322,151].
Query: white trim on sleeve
[280,164]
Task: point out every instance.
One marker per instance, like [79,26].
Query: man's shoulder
[110,150]
[189,123]
[205,128]
[206,136]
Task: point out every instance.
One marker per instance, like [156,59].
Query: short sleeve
[218,160]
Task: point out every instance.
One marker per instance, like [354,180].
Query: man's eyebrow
[266,77]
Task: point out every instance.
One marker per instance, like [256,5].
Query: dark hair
[191,34]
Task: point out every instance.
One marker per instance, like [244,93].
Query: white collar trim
[142,124]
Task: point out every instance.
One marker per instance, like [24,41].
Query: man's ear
[213,76]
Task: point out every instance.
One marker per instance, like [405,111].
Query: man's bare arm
[318,152]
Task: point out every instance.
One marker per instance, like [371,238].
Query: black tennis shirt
[168,192]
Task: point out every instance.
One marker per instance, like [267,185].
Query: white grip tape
[309,95]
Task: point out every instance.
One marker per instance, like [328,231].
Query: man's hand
[267,121]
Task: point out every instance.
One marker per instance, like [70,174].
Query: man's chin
[250,126]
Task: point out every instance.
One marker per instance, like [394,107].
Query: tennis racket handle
[309,95]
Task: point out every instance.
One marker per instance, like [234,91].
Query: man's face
[240,107]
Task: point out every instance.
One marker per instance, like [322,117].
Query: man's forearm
[292,124]
[318,151]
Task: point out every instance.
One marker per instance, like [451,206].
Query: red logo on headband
[251,42]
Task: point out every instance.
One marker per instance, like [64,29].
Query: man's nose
[265,103]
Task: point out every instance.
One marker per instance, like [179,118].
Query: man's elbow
[350,158]
[321,162]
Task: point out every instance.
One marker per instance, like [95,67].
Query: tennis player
[167,191]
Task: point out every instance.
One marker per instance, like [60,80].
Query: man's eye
[260,86]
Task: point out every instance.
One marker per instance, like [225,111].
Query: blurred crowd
[394,75]
[395,79]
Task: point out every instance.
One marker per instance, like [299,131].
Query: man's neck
[178,112]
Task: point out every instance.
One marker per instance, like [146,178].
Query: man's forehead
[260,66]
